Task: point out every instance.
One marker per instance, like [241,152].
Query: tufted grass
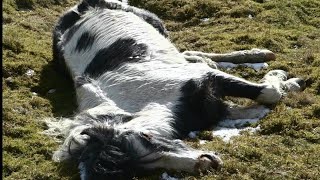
[287,147]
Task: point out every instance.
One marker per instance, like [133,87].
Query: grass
[287,147]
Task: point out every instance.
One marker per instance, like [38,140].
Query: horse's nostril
[207,161]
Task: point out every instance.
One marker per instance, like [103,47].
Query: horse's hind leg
[272,87]
[237,57]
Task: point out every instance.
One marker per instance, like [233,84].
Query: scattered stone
[205,19]
[9,80]
[30,72]
[193,134]
[165,176]
[51,91]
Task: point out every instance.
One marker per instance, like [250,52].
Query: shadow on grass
[57,87]
[69,170]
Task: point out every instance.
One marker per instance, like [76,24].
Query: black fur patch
[200,107]
[73,29]
[156,23]
[104,156]
[67,20]
[147,16]
[236,88]
[121,51]
[85,4]
[150,18]
[64,23]
[110,155]
[85,41]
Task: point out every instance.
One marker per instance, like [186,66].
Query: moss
[295,100]
[273,44]
[205,135]
[11,43]
[31,4]
[316,111]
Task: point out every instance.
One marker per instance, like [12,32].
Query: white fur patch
[127,25]
[134,86]
[155,119]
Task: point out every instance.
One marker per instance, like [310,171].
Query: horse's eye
[145,135]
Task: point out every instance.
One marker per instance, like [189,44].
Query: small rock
[9,80]
[34,94]
[52,91]
[205,19]
[192,134]
[165,176]
[30,72]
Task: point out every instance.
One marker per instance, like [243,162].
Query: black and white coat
[138,96]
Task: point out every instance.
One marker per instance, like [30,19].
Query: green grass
[287,147]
